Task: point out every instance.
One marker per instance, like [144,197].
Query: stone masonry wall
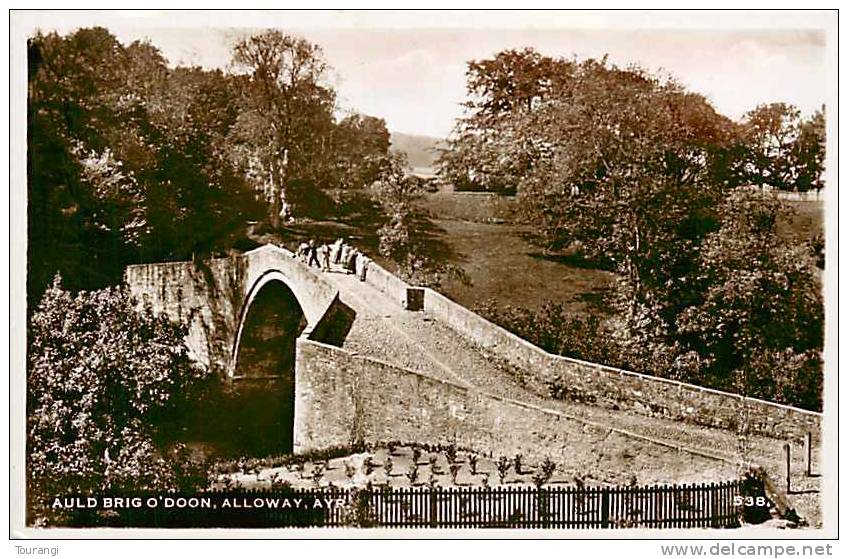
[391,285]
[342,398]
[212,296]
[206,295]
[611,387]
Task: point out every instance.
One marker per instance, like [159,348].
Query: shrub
[450,453]
[103,382]
[517,462]
[503,467]
[318,473]
[412,474]
[472,461]
[552,329]
[454,471]
[544,472]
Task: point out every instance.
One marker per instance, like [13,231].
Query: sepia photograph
[512,274]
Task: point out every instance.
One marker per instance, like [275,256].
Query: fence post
[434,506]
[605,507]
[714,506]
[788,450]
[808,453]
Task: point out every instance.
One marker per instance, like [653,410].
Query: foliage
[286,112]
[633,173]
[404,238]
[784,151]
[759,325]
[477,156]
[544,473]
[130,160]
[102,382]
[361,146]
[472,462]
[450,453]
[503,465]
[454,471]
[412,474]
[621,165]
[125,159]
[553,330]
[243,464]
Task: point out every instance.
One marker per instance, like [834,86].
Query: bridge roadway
[416,340]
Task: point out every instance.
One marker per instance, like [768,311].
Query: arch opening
[270,327]
[261,397]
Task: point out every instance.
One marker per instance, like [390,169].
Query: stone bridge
[213,298]
[377,360]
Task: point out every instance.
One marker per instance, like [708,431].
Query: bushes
[550,328]
[102,379]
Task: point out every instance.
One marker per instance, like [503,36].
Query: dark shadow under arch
[262,390]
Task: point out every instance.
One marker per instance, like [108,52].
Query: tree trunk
[274,206]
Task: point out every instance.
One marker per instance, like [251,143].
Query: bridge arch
[268,280]
[262,394]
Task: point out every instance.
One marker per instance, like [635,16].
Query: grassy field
[504,265]
[802,221]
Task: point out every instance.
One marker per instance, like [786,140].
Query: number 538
[750,501]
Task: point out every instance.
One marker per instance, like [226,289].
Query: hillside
[421,150]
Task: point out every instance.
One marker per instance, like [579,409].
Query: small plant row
[541,475]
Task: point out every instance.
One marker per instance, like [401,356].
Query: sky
[414,78]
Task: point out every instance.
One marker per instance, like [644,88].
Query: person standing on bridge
[303,251]
[363,266]
[325,257]
[345,251]
[350,260]
[337,250]
[313,254]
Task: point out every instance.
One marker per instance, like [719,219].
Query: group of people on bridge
[337,256]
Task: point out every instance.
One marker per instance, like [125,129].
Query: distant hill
[420,149]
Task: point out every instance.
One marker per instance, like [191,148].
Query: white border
[23,23]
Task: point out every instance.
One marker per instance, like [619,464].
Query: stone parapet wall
[212,296]
[386,282]
[620,389]
[342,398]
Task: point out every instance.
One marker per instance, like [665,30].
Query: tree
[481,153]
[397,194]
[625,171]
[127,160]
[103,379]
[633,172]
[808,153]
[784,151]
[406,236]
[286,116]
[74,82]
[759,325]
[360,150]
[197,198]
